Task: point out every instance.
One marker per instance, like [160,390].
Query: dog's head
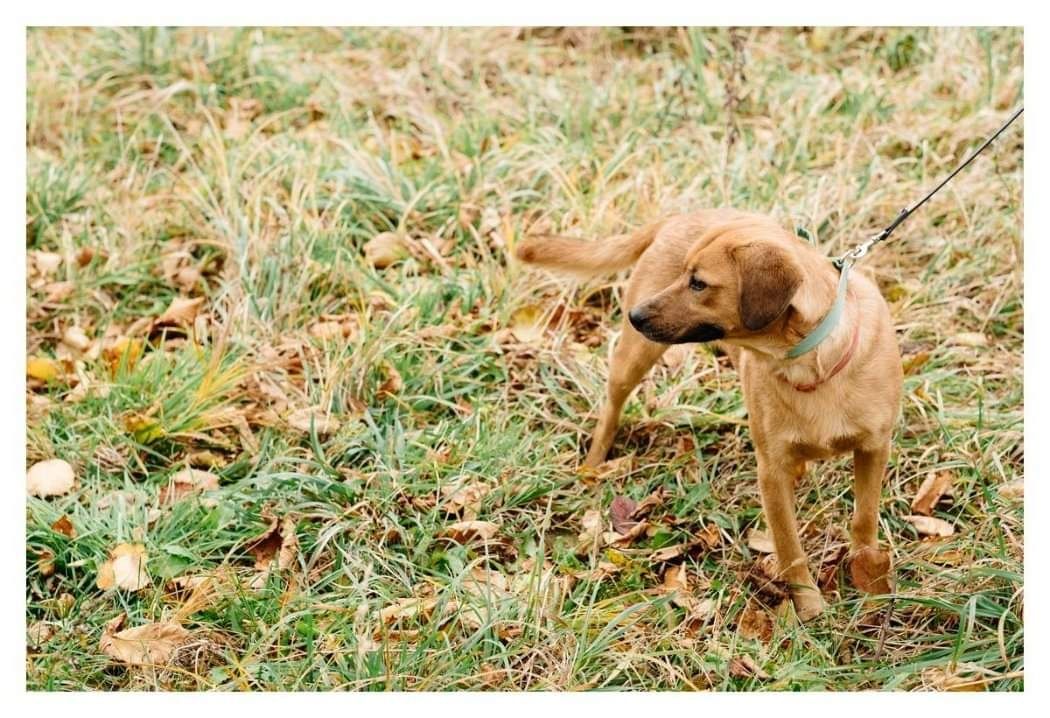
[738,280]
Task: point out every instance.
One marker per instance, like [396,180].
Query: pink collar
[837,368]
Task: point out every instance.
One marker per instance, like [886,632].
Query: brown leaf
[53,477]
[755,623]
[646,505]
[186,483]
[153,644]
[933,487]
[392,381]
[323,422]
[760,541]
[603,570]
[64,526]
[467,531]
[620,511]
[745,667]
[464,497]
[676,583]
[621,540]
[182,311]
[39,633]
[279,541]
[1012,490]
[125,569]
[385,249]
[930,526]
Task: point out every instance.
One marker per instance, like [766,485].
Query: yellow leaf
[125,569]
[43,369]
[385,249]
[53,477]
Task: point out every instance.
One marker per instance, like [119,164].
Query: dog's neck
[832,355]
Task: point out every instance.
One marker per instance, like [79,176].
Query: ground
[199,294]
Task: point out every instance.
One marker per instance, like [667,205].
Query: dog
[741,280]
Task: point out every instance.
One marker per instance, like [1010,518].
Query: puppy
[742,280]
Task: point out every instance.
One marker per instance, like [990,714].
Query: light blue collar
[827,325]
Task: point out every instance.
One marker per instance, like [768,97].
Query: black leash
[860,250]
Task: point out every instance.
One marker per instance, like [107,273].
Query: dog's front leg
[869,567]
[776,482]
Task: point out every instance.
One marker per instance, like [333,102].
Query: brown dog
[743,280]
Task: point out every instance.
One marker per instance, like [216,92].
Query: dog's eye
[697,285]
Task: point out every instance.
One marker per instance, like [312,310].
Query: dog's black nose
[637,318]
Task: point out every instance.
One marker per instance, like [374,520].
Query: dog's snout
[638,318]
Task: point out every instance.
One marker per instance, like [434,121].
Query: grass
[250,167]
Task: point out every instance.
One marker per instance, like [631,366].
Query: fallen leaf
[745,667]
[914,362]
[64,526]
[407,608]
[676,583]
[933,487]
[467,531]
[1012,490]
[46,263]
[76,339]
[40,633]
[603,570]
[186,483]
[150,645]
[385,249]
[755,623]
[53,477]
[322,422]
[43,369]
[279,541]
[392,381]
[760,541]
[464,497]
[590,537]
[930,526]
[526,325]
[969,339]
[650,502]
[614,538]
[122,351]
[182,310]
[125,569]
[620,511]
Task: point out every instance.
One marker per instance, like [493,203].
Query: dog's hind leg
[632,357]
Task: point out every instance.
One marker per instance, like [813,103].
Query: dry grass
[249,167]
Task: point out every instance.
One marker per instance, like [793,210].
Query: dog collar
[838,367]
[827,325]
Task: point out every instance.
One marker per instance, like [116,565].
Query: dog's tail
[586,258]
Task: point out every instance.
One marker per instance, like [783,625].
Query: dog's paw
[870,570]
[808,603]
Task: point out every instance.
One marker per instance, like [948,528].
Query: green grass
[266,159]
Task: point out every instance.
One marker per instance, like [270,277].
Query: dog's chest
[815,425]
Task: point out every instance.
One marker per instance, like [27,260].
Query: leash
[847,260]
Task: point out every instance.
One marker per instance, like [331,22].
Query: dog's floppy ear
[769,279]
